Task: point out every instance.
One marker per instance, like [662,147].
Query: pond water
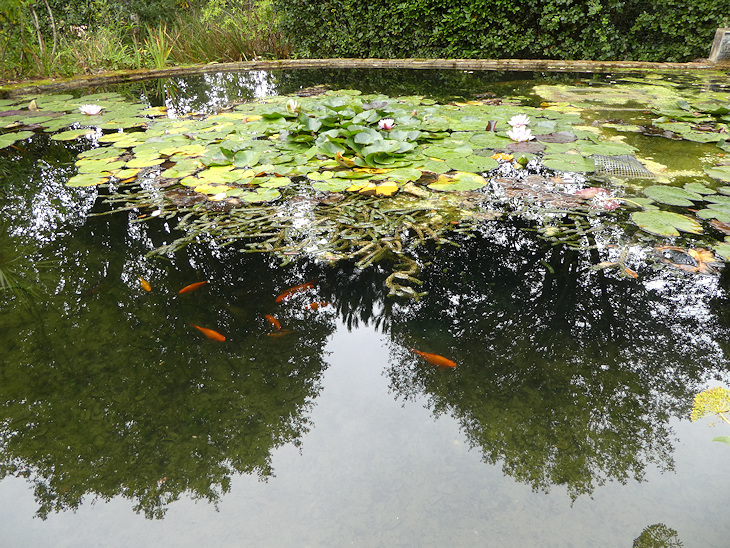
[565,423]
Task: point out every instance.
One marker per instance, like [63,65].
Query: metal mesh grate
[621,166]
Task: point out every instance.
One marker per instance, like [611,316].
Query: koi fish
[434,359]
[273,321]
[192,287]
[145,284]
[281,333]
[296,289]
[212,335]
[315,306]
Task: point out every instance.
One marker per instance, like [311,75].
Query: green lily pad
[333,185]
[665,223]
[458,181]
[719,172]
[88,179]
[569,162]
[474,164]
[699,188]
[8,139]
[261,195]
[672,195]
[70,135]
[723,249]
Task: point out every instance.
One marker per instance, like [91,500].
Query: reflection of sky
[379,472]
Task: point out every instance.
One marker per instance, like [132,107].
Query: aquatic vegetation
[342,176]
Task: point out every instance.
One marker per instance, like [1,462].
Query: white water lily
[386,123]
[90,110]
[519,120]
[293,106]
[520,134]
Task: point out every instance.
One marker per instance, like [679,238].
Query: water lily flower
[293,106]
[90,110]
[520,134]
[519,120]
[386,123]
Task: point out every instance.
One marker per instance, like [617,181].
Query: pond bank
[63,84]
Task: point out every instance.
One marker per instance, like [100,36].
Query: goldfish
[434,359]
[212,335]
[281,333]
[145,284]
[192,287]
[296,289]
[273,321]
[315,306]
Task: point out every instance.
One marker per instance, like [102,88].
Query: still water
[565,423]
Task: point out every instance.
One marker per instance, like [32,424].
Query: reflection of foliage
[658,536]
[566,375]
[109,394]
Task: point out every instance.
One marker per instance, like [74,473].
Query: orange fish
[273,321]
[434,359]
[145,285]
[315,306]
[212,335]
[192,287]
[281,333]
[293,290]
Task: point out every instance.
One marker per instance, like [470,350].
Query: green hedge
[648,30]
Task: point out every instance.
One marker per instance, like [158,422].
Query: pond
[245,412]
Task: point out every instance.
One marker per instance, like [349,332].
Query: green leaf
[671,195]
[719,172]
[458,182]
[723,439]
[723,249]
[8,139]
[569,162]
[474,164]
[665,223]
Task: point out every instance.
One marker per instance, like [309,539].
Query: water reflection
[567,376]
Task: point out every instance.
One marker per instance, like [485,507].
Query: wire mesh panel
[624,165]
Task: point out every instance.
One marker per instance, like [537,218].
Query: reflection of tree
[567,376]
[108,391]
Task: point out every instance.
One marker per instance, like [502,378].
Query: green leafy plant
[159,45]
[713,401]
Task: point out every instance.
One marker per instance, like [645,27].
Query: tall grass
[195,36]
[239,35]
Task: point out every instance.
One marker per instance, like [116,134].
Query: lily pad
[699,188]
[458,181]
[87,179]
[672,195]
[723,249]
[569,162]
[665,223]
[719,172]
[8,139]
[261,195]
[474,164]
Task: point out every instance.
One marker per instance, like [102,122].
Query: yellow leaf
[387,189]
[371,170]
[357,186]
[343,160]
[369,189]
[253,118]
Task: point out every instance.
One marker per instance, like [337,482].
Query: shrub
[653,30]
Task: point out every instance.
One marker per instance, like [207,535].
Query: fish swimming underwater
[315,306]
[145,284]
[212,335]
[192,287]
[296,289]
[434,359]
[273,321]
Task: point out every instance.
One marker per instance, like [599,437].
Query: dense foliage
[652,30]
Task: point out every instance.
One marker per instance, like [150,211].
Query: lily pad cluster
[278,164]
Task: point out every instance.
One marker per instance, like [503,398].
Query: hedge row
[640,30]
